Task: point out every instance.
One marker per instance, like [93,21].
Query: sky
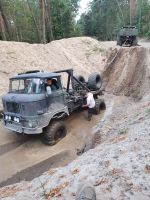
[83,7]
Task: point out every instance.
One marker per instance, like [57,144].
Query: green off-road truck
[127,36]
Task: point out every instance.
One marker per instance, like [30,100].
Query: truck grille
[13,107]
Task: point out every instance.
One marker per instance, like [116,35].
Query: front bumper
[19,129]
[22,125]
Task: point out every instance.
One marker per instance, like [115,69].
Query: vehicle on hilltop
[127,36]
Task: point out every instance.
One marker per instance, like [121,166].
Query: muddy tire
[99,105]
[94,81]
[102,104]
[119,41]
[134,43]
[79,78]
[54,132]
[96,109]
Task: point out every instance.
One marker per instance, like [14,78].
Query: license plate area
[14,127]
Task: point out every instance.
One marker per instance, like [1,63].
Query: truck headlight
[6,117]
[32,124]
[16,119]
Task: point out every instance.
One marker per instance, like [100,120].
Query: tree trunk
[5,23]
[2,27]
[35,22]
[43,21]
[48,20]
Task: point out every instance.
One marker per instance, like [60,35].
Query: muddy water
[23,158]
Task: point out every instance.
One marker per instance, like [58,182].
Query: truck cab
[27,107]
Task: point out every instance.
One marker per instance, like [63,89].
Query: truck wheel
[79,78]
[99,105]
[94,81]
[134,43]
[102,104]
[96,109]
[119,41]
[54,132]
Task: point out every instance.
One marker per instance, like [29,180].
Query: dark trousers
[90,113]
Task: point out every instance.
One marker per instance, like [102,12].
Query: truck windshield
[26,86]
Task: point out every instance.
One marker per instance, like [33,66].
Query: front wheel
[54,132]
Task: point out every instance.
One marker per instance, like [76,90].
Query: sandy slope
[82,54]
[128,72]
[119,167]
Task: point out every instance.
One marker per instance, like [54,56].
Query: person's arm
[87,104]
[48,90]
[84,106]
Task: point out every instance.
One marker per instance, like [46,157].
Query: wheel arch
[55,117]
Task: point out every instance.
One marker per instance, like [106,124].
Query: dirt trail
[82,54]
[18,154]
[126,72]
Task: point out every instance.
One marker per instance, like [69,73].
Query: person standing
[90,103]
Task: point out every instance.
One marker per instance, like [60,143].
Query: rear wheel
[94,81]
[102,104]
[54,132]
[99,105]
[79,78]
[119,41]
[96,109]
[134,43]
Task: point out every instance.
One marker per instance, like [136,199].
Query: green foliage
[98,49]
[136,114]
[122,131]
[63,13]
[24,19]
[28,21]
[105,17]
[148,111]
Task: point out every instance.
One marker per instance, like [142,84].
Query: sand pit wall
[82,54]
[127,72]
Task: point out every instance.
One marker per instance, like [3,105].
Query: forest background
[42,21]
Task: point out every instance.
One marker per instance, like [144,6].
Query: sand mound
[82,54]
[127,72]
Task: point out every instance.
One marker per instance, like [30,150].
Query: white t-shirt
[90,100]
